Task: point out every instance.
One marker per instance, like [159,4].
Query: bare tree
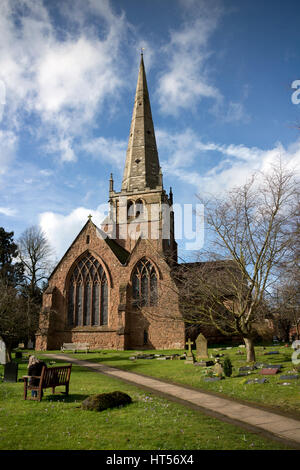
[35,254]
[251,225]
[249,232]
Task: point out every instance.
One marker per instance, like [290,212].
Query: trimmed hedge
[106,400]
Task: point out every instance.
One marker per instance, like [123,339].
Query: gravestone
[189,356]
[212,379]
[272,366]
[201,347]
[269,371]
[296,344]
[2,352]
[246,368]
[288,377]
[204,363]
[256,381]
[11,372]
[218,369]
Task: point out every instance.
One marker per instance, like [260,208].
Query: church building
[109,289]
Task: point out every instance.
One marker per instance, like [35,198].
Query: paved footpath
[266,423]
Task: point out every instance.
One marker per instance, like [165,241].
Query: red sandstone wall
[163,333]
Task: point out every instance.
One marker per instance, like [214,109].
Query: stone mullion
[100,302]
[75,304]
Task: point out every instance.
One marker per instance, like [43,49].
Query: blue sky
[219,76]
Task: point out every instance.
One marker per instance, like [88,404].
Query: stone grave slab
[246,368]
[212,379]
[204,363]
[256,381]
[269,353]
[289,377]
[11,372]
[268,371]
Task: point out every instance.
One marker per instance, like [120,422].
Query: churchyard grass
[271,395]
[149,423]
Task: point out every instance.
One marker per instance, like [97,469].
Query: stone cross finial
[90,217]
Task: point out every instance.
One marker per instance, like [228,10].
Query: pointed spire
[142,168]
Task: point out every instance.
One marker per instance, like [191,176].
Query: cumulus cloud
[235,163]
[61,79]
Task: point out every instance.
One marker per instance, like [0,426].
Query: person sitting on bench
[35,367]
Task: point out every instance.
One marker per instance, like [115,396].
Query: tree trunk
[250,349]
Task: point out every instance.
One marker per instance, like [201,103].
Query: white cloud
[111,150]
[60,78]
[236,163]
[186,81]
[8,211]
[61,230]
[8,146]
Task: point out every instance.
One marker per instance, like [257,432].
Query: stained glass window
[88,294]
[144,284]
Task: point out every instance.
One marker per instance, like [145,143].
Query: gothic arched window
[139,208]
[144,284]
[88,294]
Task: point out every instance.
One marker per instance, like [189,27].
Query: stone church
[109,289]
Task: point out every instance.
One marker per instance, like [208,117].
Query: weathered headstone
[11,372]
[3,358]
[296,344]
[218,369]
[201,347]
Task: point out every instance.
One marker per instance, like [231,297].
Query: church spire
[142,169]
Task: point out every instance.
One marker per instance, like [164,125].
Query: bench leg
[25,389]
[53,390]
[40,394]
[67,389]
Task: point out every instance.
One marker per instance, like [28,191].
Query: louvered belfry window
[144,284]
[88,294]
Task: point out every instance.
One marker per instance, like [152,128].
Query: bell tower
[142,209]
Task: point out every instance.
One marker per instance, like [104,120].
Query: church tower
[142,209]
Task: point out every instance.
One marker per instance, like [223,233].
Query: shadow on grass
[74,397]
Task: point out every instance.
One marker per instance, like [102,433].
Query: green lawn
[149,423]
[273,395]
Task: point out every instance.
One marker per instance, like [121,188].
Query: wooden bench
[50,377]
[75,347]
